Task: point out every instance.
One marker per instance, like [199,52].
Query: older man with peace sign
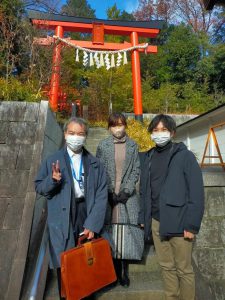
[74,183]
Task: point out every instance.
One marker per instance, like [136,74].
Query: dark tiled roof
[203,115]
[38,15]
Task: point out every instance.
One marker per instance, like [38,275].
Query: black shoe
[125,281]
[125,271]
[118,268]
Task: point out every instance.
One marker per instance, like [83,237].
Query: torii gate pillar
[55,79]
[136,77]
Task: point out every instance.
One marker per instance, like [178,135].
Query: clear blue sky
[101,6]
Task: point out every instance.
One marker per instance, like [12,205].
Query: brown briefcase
[86,269]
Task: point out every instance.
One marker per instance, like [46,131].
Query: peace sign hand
[56,174]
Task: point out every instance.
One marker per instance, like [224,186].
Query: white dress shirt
[76,160]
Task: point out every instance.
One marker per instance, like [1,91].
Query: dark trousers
[59,282]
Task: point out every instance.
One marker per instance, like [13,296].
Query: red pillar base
[139,118]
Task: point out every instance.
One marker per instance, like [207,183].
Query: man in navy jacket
[74,183]
[172,205]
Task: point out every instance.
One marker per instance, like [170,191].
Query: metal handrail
[37,275]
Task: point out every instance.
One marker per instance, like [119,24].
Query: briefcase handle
[88,248]
[83,239]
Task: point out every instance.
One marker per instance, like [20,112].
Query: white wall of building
[195,132]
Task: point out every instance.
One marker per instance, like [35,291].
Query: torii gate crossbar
[61,24]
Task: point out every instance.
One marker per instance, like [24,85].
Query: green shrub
[15,90]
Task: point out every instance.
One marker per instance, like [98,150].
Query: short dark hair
[77,120]
[114,119]
[167,121]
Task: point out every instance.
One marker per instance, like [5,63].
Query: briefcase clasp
[89,253]
[90,261]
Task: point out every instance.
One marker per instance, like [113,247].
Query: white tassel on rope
[91,60]
[107,62]
[124,57]
[97,62]
[77,55]
[102,63]
[112,61]
[119,59]
[85,59]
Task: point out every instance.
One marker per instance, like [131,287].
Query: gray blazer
[59,200]
[130,175]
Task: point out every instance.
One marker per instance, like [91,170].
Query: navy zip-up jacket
[181,197]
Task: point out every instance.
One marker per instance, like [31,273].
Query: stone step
[148,264]
[97,130]
[143,286]
[95,135]
[96,138]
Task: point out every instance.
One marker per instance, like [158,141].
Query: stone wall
[209,250]
[179,118]
[28,132]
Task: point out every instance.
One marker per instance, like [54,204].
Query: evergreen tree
[78,8]
[10,31]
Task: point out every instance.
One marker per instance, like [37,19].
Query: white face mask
[161,138]
[75,142]
[118,131]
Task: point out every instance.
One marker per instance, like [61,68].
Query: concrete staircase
[95,135]
[145,277]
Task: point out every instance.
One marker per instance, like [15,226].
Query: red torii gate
[134,29]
